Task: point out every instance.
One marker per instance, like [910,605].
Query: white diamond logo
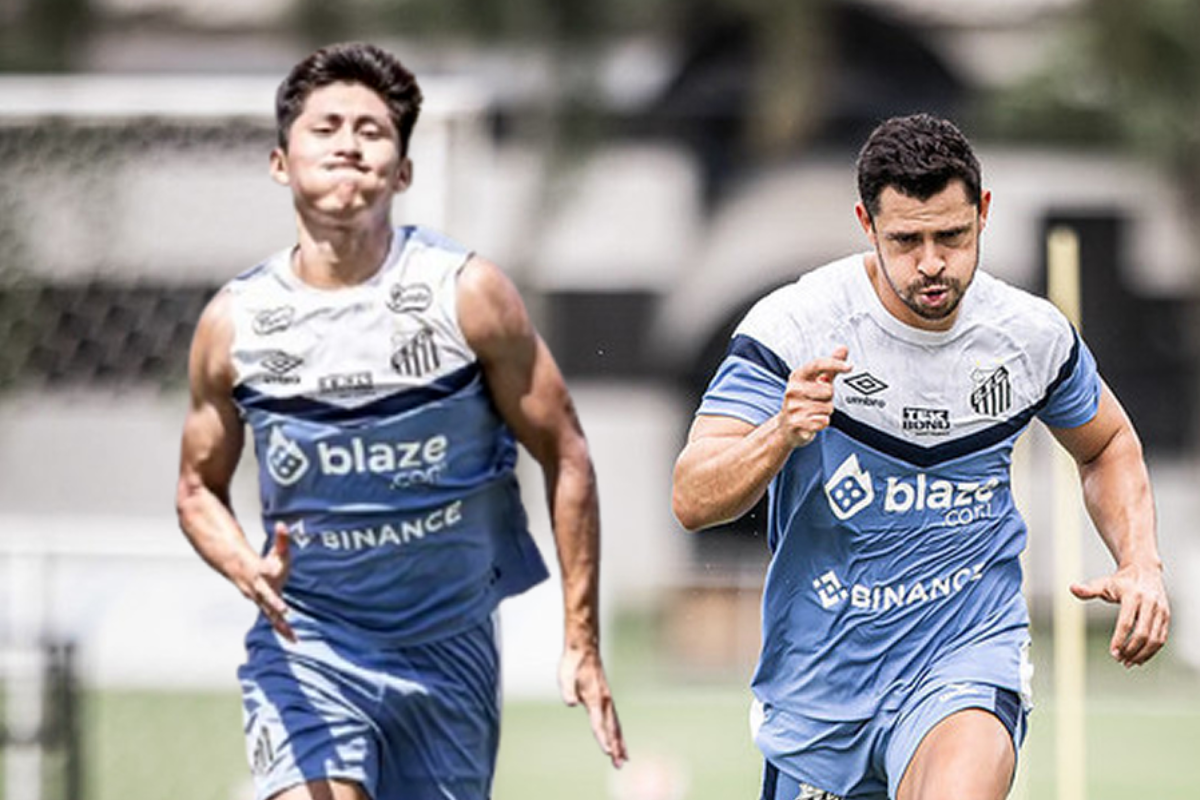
[850,489]
[865,383]
[830,590]
[286,462]
[299,535]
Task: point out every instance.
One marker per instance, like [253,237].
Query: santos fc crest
[992,395]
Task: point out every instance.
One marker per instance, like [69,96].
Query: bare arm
[532,396]
[211,446]
[1116,491]
[728,463]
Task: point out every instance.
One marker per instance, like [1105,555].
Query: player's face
[927,252]
[343,160]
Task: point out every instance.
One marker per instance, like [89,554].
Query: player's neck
[333,257]
[890,299]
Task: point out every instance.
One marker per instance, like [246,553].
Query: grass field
[688,739]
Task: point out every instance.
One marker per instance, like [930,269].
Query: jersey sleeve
[749,384]
[1074,395]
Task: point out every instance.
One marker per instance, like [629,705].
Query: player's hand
[265,585]
[808,399]
[581,679]
[1145,615]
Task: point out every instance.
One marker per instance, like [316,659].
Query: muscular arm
[1117,494]
[725,468]
[209,452]
[728,463]
[532,396]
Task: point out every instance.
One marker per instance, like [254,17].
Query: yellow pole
[1070,634]
[1023,477]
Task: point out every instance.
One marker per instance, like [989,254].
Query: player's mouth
[934,295]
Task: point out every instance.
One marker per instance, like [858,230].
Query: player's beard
[910,294]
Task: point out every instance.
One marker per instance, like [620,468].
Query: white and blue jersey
[895,541]
[379,446]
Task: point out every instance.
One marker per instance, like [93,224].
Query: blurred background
[644,170]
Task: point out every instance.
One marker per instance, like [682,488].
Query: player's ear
[278,167]
[864,219]
[404,175]
[985,203]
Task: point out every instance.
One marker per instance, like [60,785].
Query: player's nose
[931,262]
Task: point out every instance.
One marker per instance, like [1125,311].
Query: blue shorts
[411,723]
[865,759]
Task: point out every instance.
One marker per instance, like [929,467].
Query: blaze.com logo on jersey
[851,489]
[406,463]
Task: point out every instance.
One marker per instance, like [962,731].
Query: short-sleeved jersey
[379,446]
[894,537]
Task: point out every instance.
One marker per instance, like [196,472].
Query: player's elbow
[686,511]
[186,492]
[693,518]
[691,514]
[192,498]
[686,517]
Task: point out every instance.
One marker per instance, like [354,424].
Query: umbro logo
[865,383]
[281,363]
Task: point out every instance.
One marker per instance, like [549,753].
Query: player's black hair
[917,156]
[350,62]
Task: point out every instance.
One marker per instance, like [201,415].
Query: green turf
[695,740]
[155,745]
[687,738]
[1140,744]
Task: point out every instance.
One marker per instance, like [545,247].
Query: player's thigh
[324,790]
[968,754]
[439,718]
[307,722]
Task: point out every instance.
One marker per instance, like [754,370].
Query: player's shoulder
[818,286]
[427,256]
[1038,338]
[263,276]
[427,236]
[1016,310]
[422,236]
[820,298]
[211,340]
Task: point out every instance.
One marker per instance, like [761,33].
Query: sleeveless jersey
[894,537]
[380,448]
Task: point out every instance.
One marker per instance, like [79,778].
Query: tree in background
[42,35]
[1130,76]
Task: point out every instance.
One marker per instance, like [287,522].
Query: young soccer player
[386,375]
[875,401]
